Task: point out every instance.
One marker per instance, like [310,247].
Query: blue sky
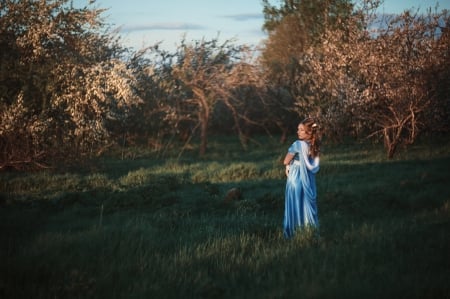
[146,22]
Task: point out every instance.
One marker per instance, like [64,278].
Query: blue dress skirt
[301,195]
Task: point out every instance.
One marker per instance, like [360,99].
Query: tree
[207,72]
[62,82]
[391,82]
[296,27]
[401,69]
[155,119]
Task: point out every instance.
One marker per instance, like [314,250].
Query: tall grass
[161,228]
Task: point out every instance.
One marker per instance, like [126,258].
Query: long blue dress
[301,194]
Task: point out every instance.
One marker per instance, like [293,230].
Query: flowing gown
[301,195]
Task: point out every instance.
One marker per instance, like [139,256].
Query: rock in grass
[233,194]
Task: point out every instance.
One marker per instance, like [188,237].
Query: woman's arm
[287,161]
[288,158]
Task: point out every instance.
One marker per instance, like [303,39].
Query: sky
[145,23]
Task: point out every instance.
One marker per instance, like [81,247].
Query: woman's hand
[287,170]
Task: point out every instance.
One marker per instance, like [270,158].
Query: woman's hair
[312,128]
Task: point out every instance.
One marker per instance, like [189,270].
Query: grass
[158,227]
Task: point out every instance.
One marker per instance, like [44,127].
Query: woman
[302,163]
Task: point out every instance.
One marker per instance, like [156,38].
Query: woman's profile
[302,163]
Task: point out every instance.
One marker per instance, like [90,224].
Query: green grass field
[155,227]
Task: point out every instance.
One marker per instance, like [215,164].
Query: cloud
[162,26]
[244,17]
[258,33]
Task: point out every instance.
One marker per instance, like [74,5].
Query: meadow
[160,225]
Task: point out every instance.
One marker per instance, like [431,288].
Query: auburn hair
[312,128]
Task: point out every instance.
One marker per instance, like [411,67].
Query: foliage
[294,28]
[210,73]
[69,91]
[187,90]
[152,121]
[399,69]
[367,79]
[161,228]
[63,83]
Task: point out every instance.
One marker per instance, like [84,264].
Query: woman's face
[302,133]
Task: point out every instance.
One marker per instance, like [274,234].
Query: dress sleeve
[294,148]
[311,163]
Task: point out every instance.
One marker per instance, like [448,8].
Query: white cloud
[245,17]
[162,26]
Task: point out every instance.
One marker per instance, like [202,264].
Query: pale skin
[302,134]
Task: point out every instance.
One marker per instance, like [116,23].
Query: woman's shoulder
[303,142]
[304,145]
[295,146]
[298,145]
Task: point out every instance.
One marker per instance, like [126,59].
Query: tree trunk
[204,121]
[203,136]
[284,133]
[390,142]
[391,150]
